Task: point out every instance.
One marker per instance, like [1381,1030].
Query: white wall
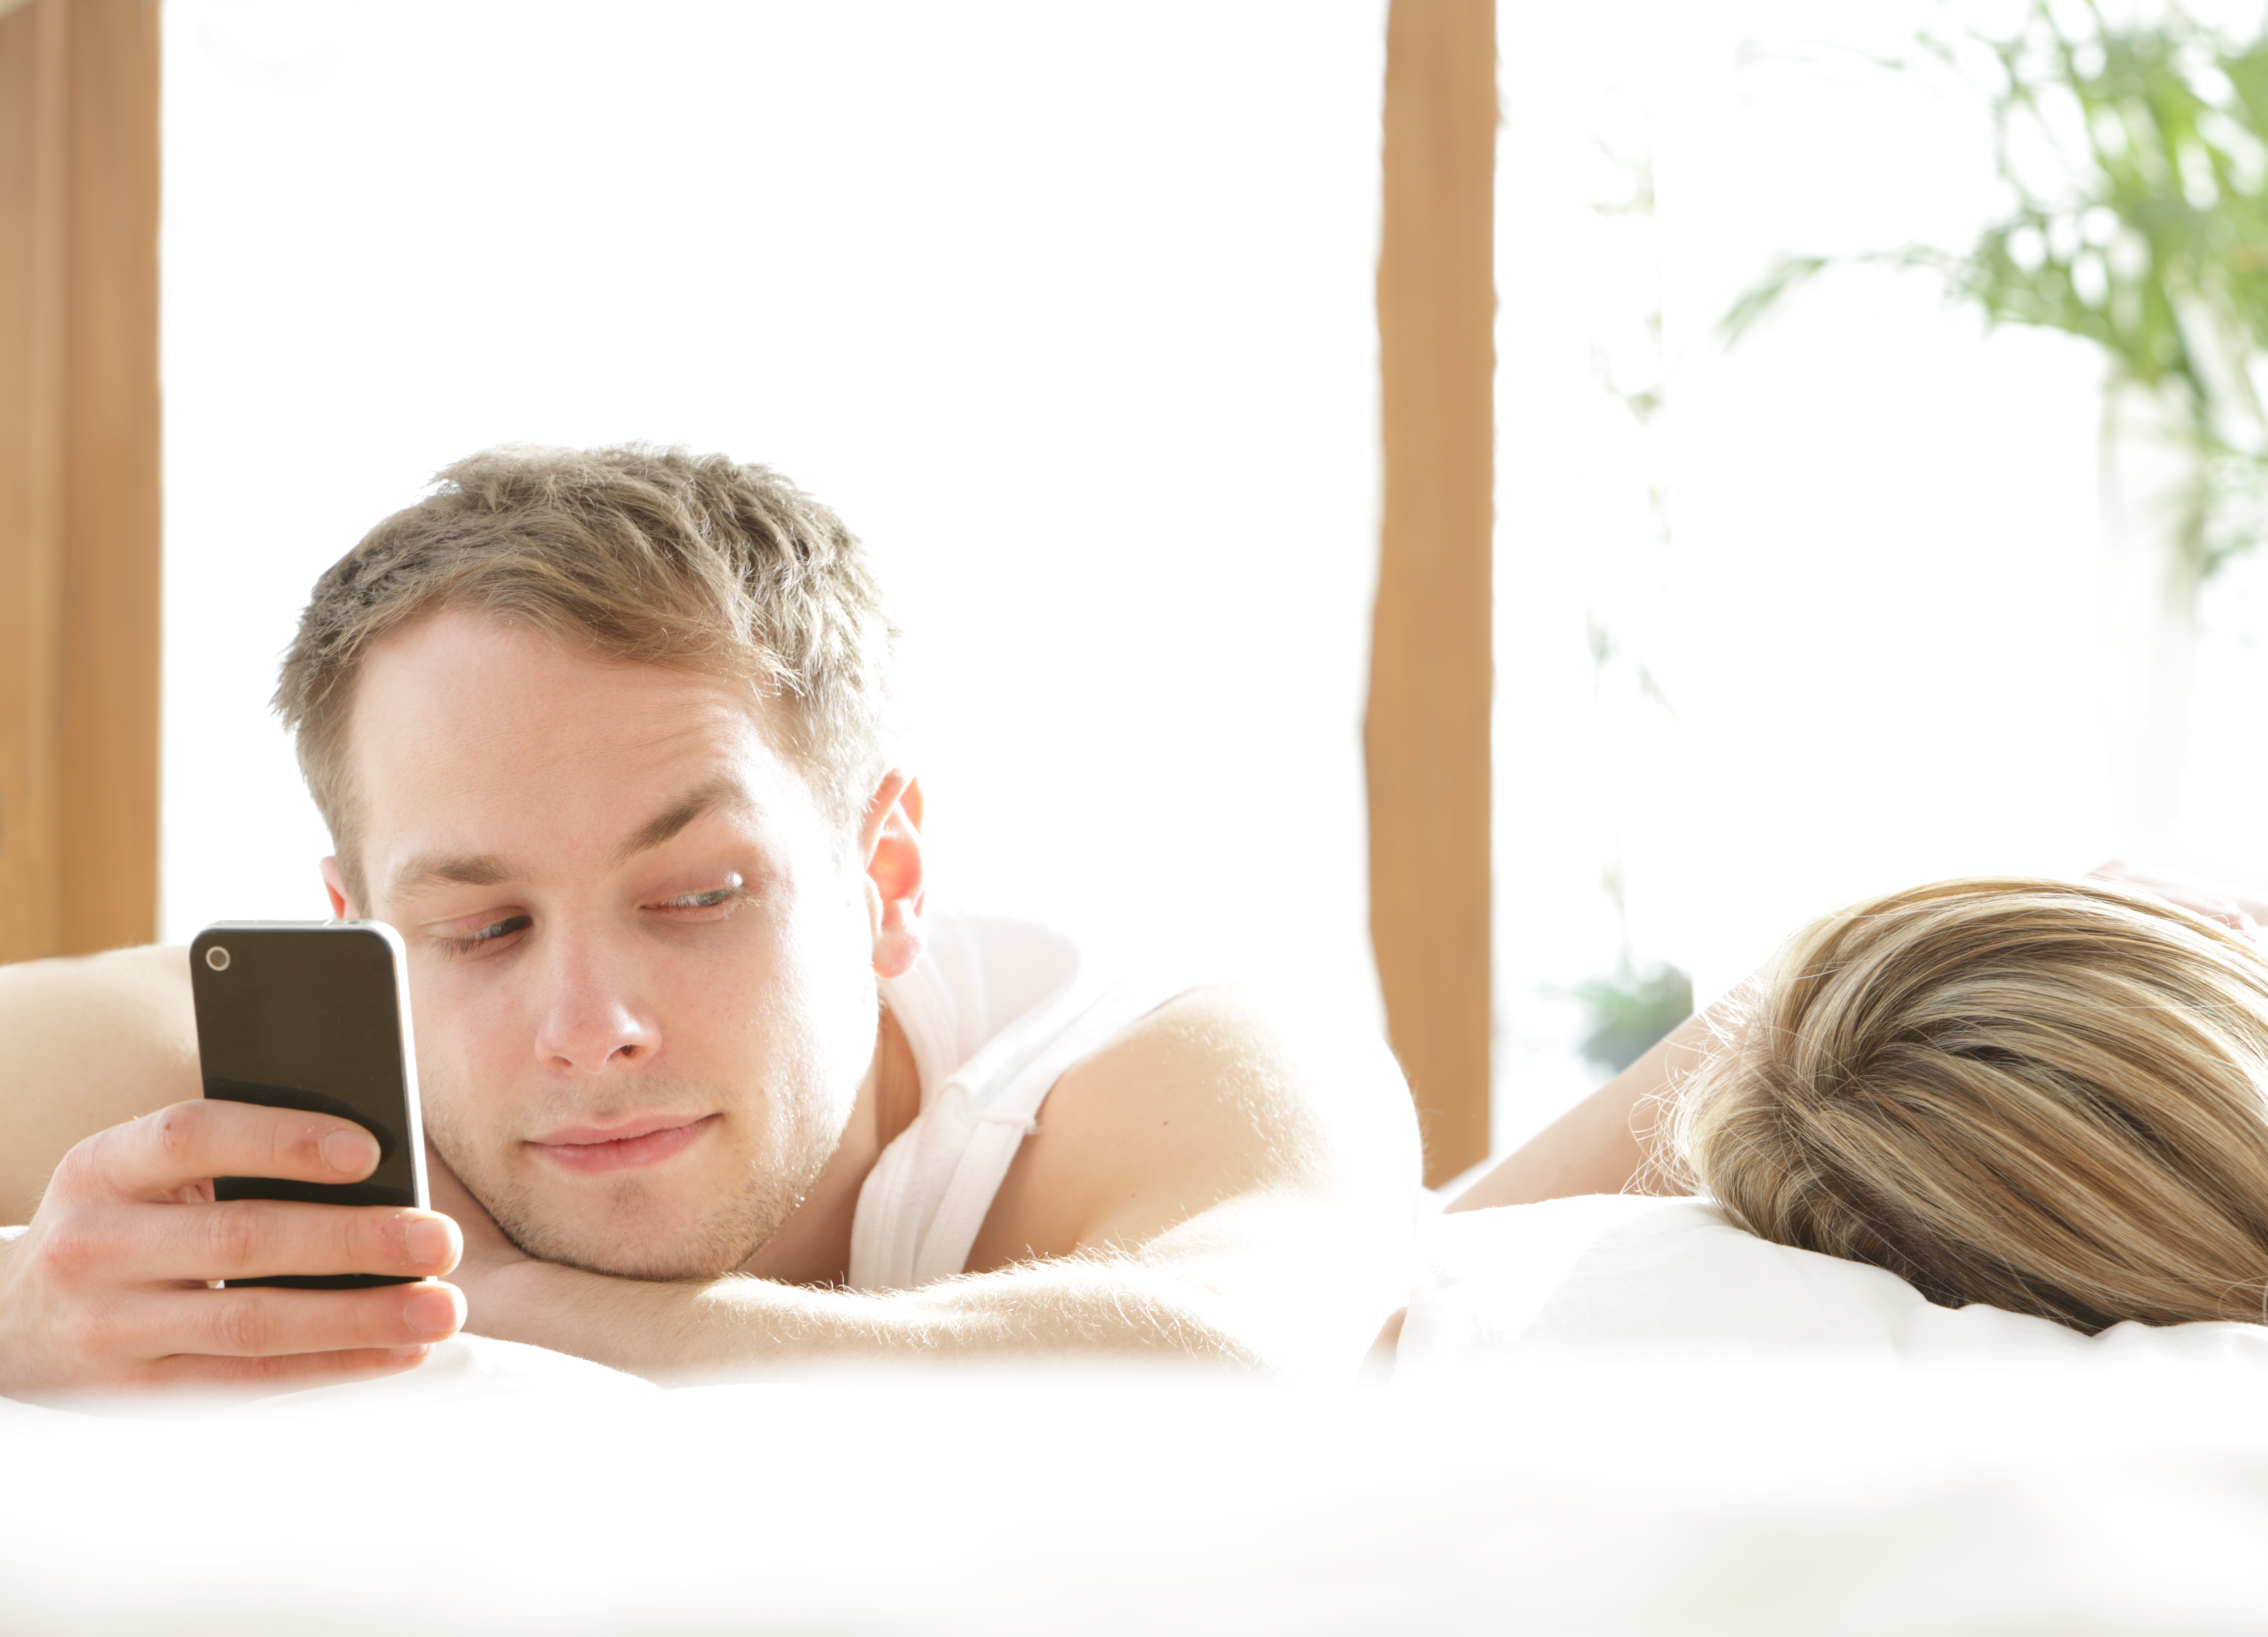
[1067,309]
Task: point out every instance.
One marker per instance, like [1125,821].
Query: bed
[1608,1416]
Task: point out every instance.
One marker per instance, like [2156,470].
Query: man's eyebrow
[435,870]
[490,869]
[717,793]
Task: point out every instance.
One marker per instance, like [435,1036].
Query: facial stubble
[609,1239]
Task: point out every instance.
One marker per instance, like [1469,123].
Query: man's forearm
[94,1041]
[723,1325]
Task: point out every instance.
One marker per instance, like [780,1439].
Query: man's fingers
[253,1239]
[159,1154]
[264,1324]
[286,1372]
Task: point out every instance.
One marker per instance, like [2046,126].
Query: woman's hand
[2210,900]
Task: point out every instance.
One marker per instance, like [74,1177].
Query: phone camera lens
[217,958]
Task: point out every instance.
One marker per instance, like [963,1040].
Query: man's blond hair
[636,554]
[2044,1096]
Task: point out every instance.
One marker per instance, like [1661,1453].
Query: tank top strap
[925,1202]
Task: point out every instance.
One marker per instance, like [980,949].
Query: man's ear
[889,842]
[334,884]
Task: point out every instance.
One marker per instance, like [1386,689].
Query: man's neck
[812,1246]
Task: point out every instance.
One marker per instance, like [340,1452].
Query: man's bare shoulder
[1225,1093]
[94,1041]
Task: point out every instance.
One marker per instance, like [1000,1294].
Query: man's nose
[593,1019]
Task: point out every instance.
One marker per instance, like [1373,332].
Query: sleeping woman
[2047,1096]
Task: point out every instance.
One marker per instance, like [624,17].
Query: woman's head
[2046,1096]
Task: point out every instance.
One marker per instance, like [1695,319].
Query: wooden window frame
[79,476]
[1425,735]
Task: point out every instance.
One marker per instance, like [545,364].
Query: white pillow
[1619,1272]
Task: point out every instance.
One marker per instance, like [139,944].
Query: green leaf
[1629,1012]
[1790,273]
[2151,241]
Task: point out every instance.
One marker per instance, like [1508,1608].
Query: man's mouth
[593,1150]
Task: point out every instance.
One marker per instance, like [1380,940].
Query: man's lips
[592,1151]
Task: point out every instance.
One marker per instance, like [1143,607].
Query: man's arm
[92,1042]
[1215,1184]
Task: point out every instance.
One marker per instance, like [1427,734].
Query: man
[602,735]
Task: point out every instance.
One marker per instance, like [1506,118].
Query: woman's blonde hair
[2038,1095]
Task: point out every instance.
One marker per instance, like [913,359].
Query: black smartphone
[314,1015]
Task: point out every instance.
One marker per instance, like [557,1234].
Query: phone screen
[313,1016]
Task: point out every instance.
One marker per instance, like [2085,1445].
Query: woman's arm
[1600,1145]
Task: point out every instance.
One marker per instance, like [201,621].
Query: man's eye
[493,931]
[715,898]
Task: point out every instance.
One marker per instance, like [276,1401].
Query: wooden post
[1426,733]
[80,519]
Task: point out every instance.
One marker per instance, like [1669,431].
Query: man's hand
[111,1288]
[487,1253]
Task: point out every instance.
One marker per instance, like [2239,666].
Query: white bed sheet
[1661,1496]
[1529,1470]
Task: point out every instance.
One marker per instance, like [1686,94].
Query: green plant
[1631,1011]
[1636,1005]
[2136,158]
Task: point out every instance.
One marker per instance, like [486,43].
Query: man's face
[640,958]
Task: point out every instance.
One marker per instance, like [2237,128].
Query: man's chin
[672,1225]
[704,1250]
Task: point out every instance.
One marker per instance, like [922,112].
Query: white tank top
[994,1012]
